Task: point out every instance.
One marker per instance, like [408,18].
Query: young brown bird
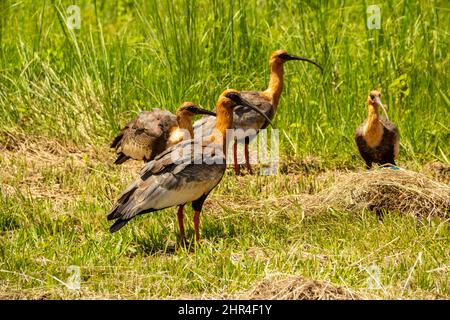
[377,138]
[152,132]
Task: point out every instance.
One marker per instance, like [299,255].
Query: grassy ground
[63,94]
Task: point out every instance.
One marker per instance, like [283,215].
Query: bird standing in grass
[377,138]
[186,172]
[152,132]
[266,101]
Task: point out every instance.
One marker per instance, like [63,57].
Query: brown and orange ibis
[152,132]
[186,172]
[377,138]
[266,101]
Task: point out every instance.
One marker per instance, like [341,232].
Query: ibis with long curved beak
[266,101]
[377,137]
[152,132]
[186,172]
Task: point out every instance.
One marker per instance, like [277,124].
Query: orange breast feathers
[373,130]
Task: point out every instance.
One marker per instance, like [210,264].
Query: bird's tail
[121,158]
[118,225]
[129,205]
[116,141]
[121,204]
[120,212]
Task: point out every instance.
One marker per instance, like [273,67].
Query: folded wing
[181,174]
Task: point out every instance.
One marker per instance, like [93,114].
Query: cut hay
[384,190]
[298,288]
[439,170]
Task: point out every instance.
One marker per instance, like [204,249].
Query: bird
[152,132]
[183,173]
[266,101]
[377,138]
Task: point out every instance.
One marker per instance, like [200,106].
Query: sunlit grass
[79,85]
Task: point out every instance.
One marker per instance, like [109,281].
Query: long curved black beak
[377,100]
[292,57]
[241,101]
[198,110]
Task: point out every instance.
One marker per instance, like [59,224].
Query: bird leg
[237,169]
[181,221]
[247,159]
[196,225]
[197,206]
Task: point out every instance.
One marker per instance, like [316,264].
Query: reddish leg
[181,221]
[247,159]
[237,170]
[196,225]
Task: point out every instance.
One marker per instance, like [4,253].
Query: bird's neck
[185,123]
[273,92]
[373,130]
[223,123]
[180,132]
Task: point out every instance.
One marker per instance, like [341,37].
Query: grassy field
[64,94]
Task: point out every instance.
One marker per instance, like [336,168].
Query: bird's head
[189,109]
[374,98]
[281,56]
[231,98]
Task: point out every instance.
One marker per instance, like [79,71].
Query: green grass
[52,217]
[79,85]
[64,94]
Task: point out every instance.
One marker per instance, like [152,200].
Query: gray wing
[246,118]
[177,176]
[145,136]
[243,117]
[204,126]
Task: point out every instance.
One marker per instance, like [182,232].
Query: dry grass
[383,190]
[401,191]
[298,288]
[439,170]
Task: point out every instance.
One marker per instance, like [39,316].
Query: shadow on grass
[160,242]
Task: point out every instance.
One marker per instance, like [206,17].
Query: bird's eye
[283,56]
[191,109]
[372,97]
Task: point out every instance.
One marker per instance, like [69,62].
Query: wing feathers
[177,176]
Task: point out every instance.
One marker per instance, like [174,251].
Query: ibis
[183,173]
[266,101]
[152,132]
[377,137]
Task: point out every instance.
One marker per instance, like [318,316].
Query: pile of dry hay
[298,288]
[384,190]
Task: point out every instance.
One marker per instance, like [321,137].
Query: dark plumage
[246,118]
[166,181]
[384,153]
[377,138]
[152,132]
[145,136]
